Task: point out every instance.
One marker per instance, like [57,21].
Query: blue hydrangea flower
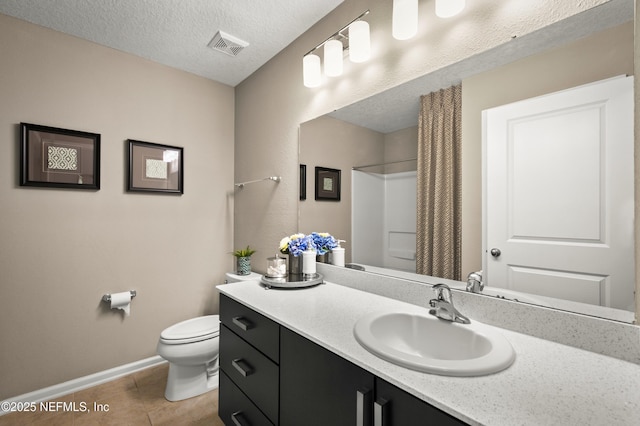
[295,244]
[323,242]
[298,245]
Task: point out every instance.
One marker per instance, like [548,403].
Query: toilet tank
[231,277]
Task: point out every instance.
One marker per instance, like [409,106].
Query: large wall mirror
[374,143]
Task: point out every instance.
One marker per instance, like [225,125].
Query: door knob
[495,252]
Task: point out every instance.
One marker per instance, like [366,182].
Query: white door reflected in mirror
[559,195]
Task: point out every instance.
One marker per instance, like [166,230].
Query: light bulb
[359,42]
[333,58]
[449,8]
[311,70]
[405,19]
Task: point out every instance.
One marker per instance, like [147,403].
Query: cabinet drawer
[253,327]
[255,374]
[236,408]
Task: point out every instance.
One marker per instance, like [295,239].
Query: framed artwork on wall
[155,168]
[327,184]
[59,158]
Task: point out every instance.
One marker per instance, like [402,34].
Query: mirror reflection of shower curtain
[439,191]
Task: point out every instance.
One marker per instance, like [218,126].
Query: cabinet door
[318,387]
[395,407]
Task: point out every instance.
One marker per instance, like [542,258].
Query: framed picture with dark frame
[59,158]
[155,168]
[327,184]
[303,182]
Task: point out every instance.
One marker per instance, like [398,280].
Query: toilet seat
[192,330]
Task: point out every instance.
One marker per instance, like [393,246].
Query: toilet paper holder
[107,297]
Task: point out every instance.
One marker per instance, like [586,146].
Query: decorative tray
[293,281]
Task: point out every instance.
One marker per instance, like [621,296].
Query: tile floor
[136,399]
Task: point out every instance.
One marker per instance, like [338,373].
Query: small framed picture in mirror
[327,184]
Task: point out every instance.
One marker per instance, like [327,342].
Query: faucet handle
[443,305]
[443,292]
[474,282]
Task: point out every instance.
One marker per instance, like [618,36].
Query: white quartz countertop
[548,384]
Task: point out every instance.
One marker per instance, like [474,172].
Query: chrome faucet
[443,306]
[474,282]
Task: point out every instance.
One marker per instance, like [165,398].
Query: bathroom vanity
[289,357]
[265,366]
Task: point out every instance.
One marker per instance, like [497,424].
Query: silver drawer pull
[362,400]
[242,366]
[243,323]
[238,419]
[379,408]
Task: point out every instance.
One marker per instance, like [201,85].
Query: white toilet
[192,348]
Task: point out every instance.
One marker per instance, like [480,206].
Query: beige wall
[61,250]
[636,153]
[272,102]
[328,142]
[603,55]
[335,144]
[401,145]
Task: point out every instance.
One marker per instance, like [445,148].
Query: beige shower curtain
[439,199]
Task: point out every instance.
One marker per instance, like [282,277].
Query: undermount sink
[425,343]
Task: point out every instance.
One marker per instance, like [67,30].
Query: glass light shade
[359,42]
[449,8]
[311,70]
[333,58]
[405,19]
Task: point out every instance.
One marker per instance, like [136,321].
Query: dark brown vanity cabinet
[318,387]
[249,371]
[393,406]
[300,383]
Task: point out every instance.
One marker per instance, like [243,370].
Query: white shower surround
[383,219]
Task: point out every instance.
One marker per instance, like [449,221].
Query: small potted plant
[243,260]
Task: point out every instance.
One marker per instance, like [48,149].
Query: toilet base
[187,381]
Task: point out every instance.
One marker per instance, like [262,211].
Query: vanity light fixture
[449,8]
[359,42]
[312,71]
[353,37]
[333,58]
[405,19]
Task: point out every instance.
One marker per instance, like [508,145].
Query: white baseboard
[75,385]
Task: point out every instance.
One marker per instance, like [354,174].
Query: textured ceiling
[176,32]
[404,100]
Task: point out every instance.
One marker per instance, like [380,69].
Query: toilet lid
[192,329]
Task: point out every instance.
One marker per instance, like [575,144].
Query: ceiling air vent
[225,43]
